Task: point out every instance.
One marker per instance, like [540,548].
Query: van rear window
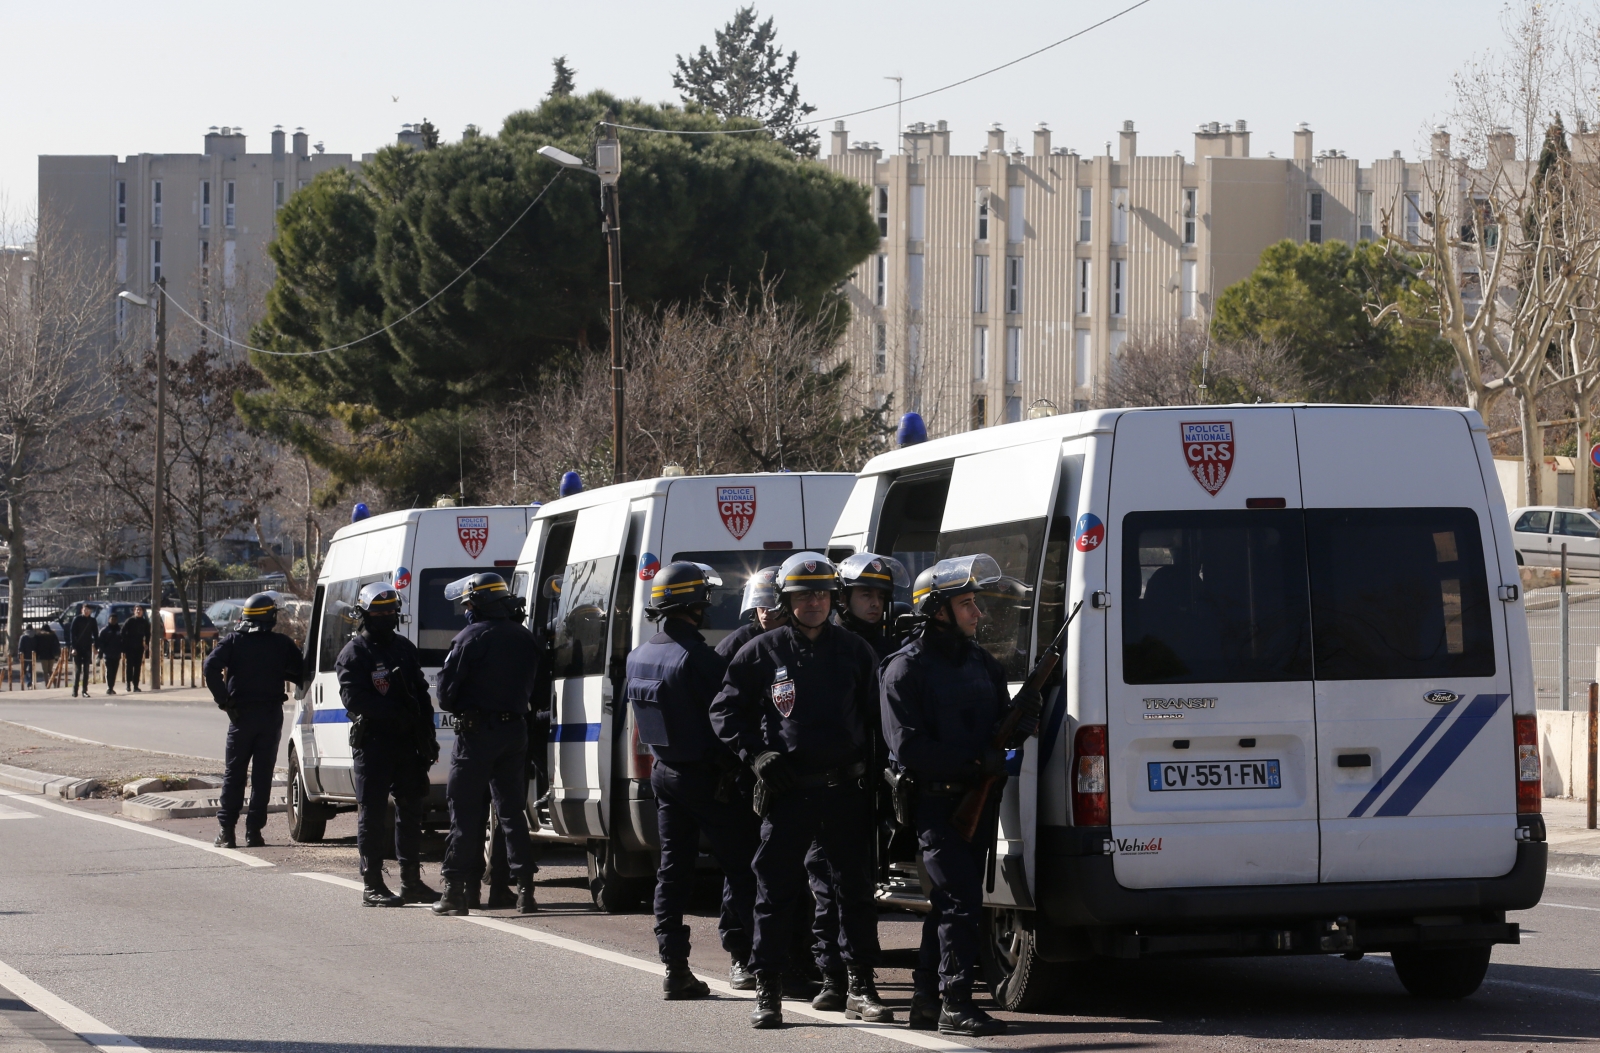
[734,567]
[578,629]
[438,620]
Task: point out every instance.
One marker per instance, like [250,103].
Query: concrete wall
[1564,752]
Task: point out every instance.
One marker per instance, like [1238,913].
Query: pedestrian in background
[135,634]
[81,633]
[46,648]
[109,644]
[25,654]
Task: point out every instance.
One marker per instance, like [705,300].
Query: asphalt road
[187,726]
[185,949]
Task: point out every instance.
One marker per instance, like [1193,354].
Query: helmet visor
[962,573]
[713,579]
[869,568]
[760,592]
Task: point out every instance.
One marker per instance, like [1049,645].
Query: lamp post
[156,628]
[608,167]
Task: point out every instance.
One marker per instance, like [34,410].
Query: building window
[227,264]
[122,202]
[1013,408]
[1186,273]
[227,203]
[277,194]
[1016,214]
[983,213]
[1013,285]
[980,412]
[1085,213]
[1119,216]
[914,279]
[880,196]
[1364,215]
[880,279]
[1114,344]
[122,263]
[919,212]
[880,349]
[1083,286]
[980,284]
[914,349]
[1080,357]
[1413,217]
[1314,217]
[122,318]
[1013,354]
[1119,282]
[155,202]
[1191,213]
[980,352]
[155,261]
[205,202]
[205,267]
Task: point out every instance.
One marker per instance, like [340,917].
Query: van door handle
[1354,760]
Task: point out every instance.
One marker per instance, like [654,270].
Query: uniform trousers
[252,742]
[388,766]
[949,950]
[686,807]
[493,757]
[838,819]
[825,919]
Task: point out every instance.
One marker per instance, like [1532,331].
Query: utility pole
[608,166]
[899,116]
[157,630]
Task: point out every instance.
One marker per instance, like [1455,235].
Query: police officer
[867,583]
[487,682]
[246,674]
[943,696]
[392,741]
[796,706]
[672,679]
[760,605]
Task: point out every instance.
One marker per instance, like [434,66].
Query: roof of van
[658,485]
[407,515]
[1073,425]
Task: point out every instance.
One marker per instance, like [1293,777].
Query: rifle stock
[969,812]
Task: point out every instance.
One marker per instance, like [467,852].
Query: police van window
[1053,583]
[558,542]
[1006,630]
[338,617]
[578,635]
[1534,523]
[1576,524]
[314,634]
[622,609]
[1214,597]
[908,526]
[734,568]
[438,620]
[1399,594]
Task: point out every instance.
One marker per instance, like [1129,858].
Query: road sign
[1594,455]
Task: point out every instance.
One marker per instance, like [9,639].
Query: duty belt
[944,789]
[833,776]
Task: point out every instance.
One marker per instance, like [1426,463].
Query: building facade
[1004,278]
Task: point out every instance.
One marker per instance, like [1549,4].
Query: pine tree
[748,76]
[566,79]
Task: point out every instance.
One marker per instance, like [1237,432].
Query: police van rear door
[1211,717]
[1413,684]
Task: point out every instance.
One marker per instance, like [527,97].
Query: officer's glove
[772,768]
[993,762]
[1030,704]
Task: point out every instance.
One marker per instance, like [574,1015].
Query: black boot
[924,1012]
[412,887]
[500,897]
[377,894]
[253,839]
[863,1003]
[526,904]
[799,984]
[961,1017]
[225,839]
[453,901]
[769,1001]
[739,977]
[681,983]
[831,999]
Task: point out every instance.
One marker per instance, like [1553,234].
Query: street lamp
[608,167]
[156,628]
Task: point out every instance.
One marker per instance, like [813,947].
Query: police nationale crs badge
[737,507]
[474,533]
[783,697]
[1208,451]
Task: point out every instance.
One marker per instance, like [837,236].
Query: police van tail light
[1530,780]
[643,759]
[1091,801]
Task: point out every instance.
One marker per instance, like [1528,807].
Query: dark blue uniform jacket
[258,664]
[383,682]
[835,685]
[729,645]
[672,679]
[881,639]
[943,695]
[491,667]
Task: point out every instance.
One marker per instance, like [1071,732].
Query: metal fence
[1574,632]
[40,605]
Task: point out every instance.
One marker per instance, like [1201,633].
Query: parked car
[293,615]
[175,625]
[61,619]
[81,581]
[1539,531]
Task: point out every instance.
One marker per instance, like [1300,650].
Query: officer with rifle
[392,741]
[948,719]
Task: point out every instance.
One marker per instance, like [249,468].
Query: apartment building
[1007,281]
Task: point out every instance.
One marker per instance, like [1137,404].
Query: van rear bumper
[1078,887]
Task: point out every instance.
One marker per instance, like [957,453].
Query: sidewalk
[1574,848]
[59,694]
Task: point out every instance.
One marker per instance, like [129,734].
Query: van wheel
[1444,974]
[1019,980]
[308,820]
[612,892]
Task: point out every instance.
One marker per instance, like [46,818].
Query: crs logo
[649,566]
[737,507]
[1090,532]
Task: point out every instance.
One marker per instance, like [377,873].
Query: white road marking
[66,1014]
[895,1032]
[12,813]
[227,853]
[1569,906]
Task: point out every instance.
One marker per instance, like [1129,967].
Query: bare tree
[1181,367]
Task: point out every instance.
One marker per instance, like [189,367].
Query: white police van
[585,571]
[1297,714]
[420,551]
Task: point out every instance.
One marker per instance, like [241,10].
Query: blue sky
[95,77]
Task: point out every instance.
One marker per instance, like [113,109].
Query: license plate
[447,720]
[1214,775]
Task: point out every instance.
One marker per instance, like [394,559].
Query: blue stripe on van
[330,716]
[1445,752]
[1405,758]
[575,733]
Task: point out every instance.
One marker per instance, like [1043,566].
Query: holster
[358,732]
[903,795]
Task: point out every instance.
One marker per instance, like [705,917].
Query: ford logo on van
[1442,698]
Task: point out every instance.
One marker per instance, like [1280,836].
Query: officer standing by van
[943,698]
[487,682]
[760,605]
[246,674]
[672,678]
[393,744]
[796,706]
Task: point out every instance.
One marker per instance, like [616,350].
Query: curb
[1574,864]
[187,805]
[43,782]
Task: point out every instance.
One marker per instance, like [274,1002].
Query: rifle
[969,812]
